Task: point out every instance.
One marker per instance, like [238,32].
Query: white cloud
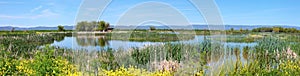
[3,2]
[10,17]
[43,14]
[36,9]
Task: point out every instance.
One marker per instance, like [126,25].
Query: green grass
[27,32]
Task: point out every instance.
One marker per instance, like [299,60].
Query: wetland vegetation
[159,52]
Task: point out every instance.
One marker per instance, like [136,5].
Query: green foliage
[107,25]
[283,69]
[92,26]
[101,25]
[8,66]
[152,28]
[262,29]
[20,45]
[174,51]
[60,28]
[275,29]
[241,30]
[133,71]
[150,36]
[141,56]
[12,30]
[271,44]
[43,63]
[107,60]
[84,26]
[231,29]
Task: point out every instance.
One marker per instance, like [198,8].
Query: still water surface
[97,43]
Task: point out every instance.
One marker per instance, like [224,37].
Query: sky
[30,13]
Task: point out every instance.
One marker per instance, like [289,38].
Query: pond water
[100,42]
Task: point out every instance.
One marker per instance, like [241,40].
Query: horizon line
[163,25]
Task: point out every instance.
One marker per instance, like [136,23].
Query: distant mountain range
[34,28]
[227,27]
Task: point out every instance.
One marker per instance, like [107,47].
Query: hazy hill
[227,27]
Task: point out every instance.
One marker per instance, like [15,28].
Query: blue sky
[28,13]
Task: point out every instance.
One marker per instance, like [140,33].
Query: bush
[43,63]
[283,69]
[152,28]
[61,28]
[275,29]
[133,71]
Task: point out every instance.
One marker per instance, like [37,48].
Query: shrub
[133,71]
[43,63]
[152,28]
[283,69]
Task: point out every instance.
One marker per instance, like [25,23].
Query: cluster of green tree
[240,31]
[276,29]
[92,26]
[152,28]
[60,28]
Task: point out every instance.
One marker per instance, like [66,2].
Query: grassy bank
[27,32]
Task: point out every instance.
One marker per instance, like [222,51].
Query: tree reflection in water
[92,41]
[102,41]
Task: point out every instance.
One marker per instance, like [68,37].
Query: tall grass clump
[272,57]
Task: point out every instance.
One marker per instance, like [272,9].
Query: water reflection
[91,41]
[59,38]
[102,42]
